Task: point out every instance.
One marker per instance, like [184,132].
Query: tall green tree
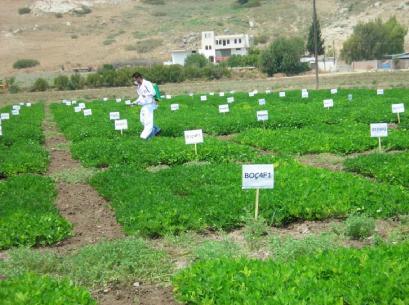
[374,39]
[310,41]
[283,56]
[196,60]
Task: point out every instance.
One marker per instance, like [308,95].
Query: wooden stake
[398,118]
[380,145]
[196,149]
[257,202]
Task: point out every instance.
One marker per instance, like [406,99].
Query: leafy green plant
[24,10]
[328,277]
[359,226]
[28,215]
[254,230]
[217,249]
[34,289]
[390,168]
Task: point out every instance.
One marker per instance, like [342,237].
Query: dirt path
[93,220]
[90,214]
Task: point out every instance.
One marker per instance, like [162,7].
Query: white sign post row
[257,176]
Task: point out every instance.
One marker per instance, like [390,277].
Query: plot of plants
[210,197]
[345,276]
[339,139]
[34,289]
[21,149]
[389,168]
[28,216]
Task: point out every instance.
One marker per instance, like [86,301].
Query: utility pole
[315,21]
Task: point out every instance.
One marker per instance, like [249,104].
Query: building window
[235,41]
[210,47]
[228,41]
[238,49]
[224,42]
[240,40]
[206,48]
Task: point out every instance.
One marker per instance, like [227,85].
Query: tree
[310,42]
[283,56]
[61,82]
[373,40]
[196,60]
[40,84]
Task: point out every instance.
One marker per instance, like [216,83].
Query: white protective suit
[146,99]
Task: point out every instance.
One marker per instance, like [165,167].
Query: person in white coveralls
[146,99]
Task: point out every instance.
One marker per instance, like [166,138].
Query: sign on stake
[281,94]
[114,116]
[121,125]
[380,92]
[194,137]
[379,130]
[203,98]
[262,102]
[230,100]
[224,108]
[328,103]
[398,109]
[174,107]
[257,176]
[87,112]
[334,91]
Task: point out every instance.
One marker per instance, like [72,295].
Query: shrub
[40,84]
[25,63]
[196,60]
[61,82]
[82,11]
[76,82]
[24,10]
[359,227]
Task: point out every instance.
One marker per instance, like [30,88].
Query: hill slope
[134,30]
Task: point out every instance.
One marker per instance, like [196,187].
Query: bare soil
[90,214]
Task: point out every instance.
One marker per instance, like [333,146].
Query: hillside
[61,33]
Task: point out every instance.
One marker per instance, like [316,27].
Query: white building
[179,57]
[221,47]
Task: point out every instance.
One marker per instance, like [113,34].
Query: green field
[183,209]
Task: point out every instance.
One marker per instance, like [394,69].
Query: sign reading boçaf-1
[258,176]
[379,130]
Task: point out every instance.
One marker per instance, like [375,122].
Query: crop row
[205,197]
[21,149]
[346,276]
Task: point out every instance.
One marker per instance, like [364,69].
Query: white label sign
[15,112]
[221,94]
[105,99]
[203,98]
[282,94]
[82,105]
[121,124]
[16,107]
[5,116]
[194,136]
[224,108]
[191,94]
[304,94]
[268,91]
[379,130]
[21,104]
[398,108]
[350,97]
[334,91]
[74,102]
[262,115]
[328,103]
[261,102]
[128,102]
[174,107]
[114,116]
[118,100]
[255,92]
[168,97]
[211,93]
[87,112]
[77,109]
[1,131]
[258,176]
[251,94]
[28,104]
[230,100]
[380,92]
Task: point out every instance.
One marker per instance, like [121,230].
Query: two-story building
[219,48]
[215,48]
